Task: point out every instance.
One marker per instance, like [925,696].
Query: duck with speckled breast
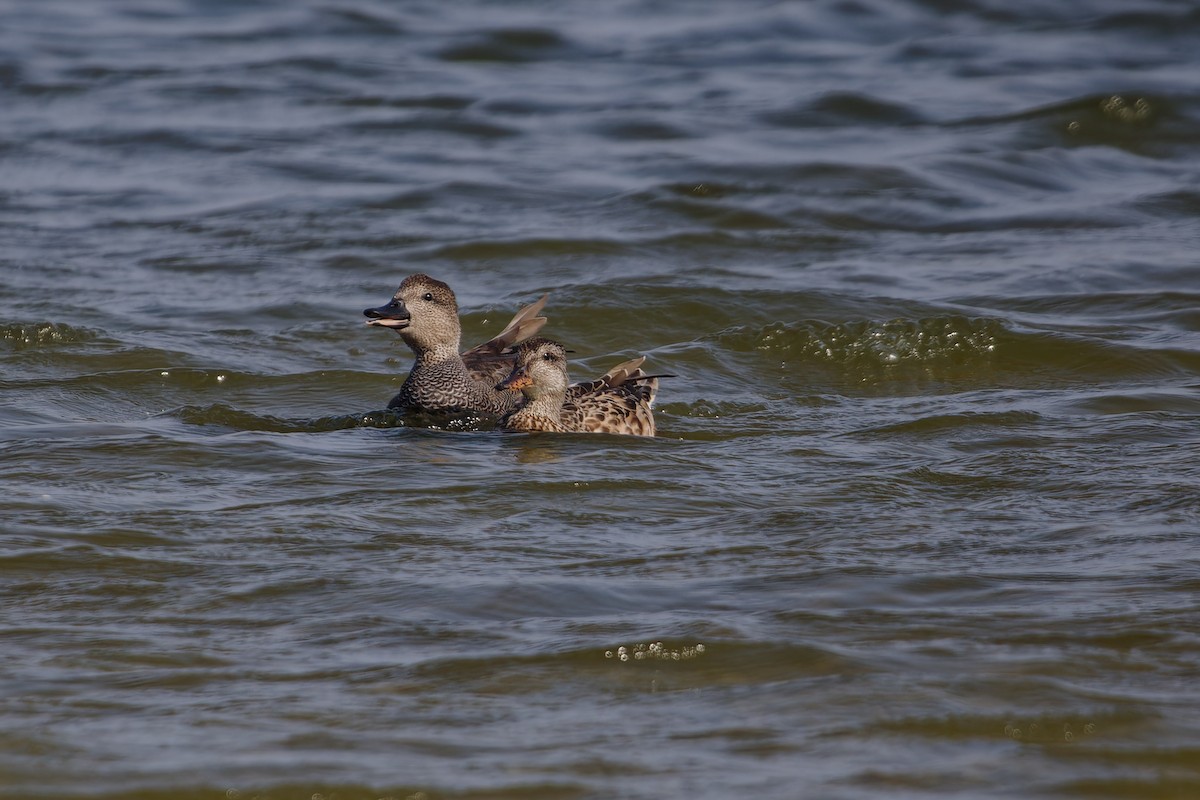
[424,311]
[621,401]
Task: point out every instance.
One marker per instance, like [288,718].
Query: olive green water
[922,517]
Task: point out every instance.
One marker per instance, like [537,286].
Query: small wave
[1164,23]
[1044,729]
[226,416]
[40,334]
[639,129]
[529,248]
[965,347]
[458,124]
[705,205]
[712,409]
[1116,120]
[434,102]
[510,46]
[220,414]
[359,22]
[838,109]
[887,343]
[1141,123]
[939,424]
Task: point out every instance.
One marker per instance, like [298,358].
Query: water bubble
[1121,109]
[164,373]
[655,651]
[1068,736]
[1089,728]
[220,379]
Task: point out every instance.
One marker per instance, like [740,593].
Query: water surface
[921,520]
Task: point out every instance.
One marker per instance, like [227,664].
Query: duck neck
[546,406]
[443,351]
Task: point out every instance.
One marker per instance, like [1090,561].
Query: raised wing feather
[488,362]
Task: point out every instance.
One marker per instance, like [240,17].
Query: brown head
[540,370]
[424,312]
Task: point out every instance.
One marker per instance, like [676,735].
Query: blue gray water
[922,517]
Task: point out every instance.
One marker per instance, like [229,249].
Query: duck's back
[619,402]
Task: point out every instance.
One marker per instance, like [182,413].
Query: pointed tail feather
[646,387]
[626,370]
[630,375]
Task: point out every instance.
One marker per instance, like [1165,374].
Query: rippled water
[922,517]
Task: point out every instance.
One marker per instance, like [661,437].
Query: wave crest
[953,339]
[38,334]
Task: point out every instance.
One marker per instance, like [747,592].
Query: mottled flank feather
[620,401]
[424,311]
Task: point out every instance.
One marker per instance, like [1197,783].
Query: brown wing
[614,377]
[624,409]
[619,402]
[488,362]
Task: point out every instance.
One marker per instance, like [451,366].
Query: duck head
[424,312]
[541,369]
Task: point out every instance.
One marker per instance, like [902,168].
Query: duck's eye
[547,356]
[429,296]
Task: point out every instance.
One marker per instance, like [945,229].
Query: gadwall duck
[618,402]
[424,312]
